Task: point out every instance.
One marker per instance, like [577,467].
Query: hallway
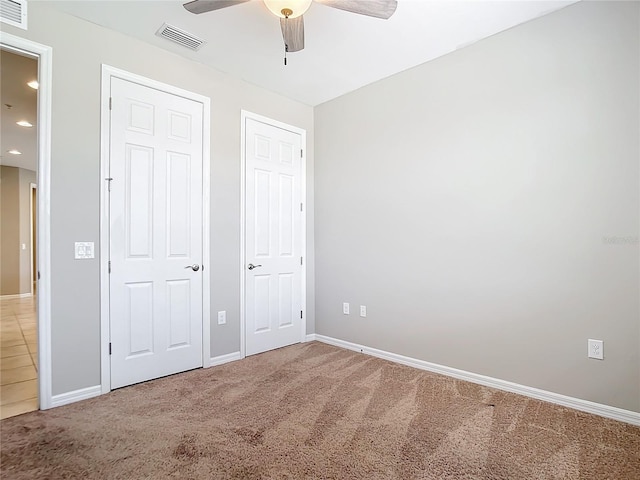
[18,356]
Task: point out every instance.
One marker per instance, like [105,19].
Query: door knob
[195,267]
[251,266]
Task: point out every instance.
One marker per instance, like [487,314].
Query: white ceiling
[343,51]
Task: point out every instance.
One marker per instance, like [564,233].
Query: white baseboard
[606,411]
[17,295]
[76,396]
[222,359]
[311,337]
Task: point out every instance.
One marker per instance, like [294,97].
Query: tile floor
[18,356]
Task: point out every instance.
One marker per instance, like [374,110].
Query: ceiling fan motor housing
[288,8]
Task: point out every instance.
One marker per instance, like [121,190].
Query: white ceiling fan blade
[293,33]
[371,8]
[203,6]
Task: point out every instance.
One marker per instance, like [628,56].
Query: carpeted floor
[313,411]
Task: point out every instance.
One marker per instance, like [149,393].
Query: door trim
[244,116]
[108,73]
[44,56]
[32,240]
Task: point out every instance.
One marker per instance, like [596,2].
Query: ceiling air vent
[179,36]
[14,12]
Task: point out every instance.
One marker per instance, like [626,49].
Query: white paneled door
[155,201]
[273,232]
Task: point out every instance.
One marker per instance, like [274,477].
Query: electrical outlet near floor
[222,317]
[345,308]
[596,349]
[363,311]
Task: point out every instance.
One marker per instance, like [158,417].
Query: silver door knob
[195,267]
[251,266]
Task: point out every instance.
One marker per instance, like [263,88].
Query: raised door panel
[286,300]
[178,195]
[141,117]
[286,215]
[262,218]
[179,126]
[138,205]
[262,303]
[286,153]
[179,313]
[139,318]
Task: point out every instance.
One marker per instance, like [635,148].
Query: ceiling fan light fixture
[281,8]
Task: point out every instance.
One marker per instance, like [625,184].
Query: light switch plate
[84,250]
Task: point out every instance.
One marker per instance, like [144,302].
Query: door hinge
[109,348]
[300,313]
[301,207]
[301,154]
[110,103]
[300,260]
[110,179]
[109,265]
[38,274]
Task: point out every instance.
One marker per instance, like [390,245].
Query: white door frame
[108,73]
[32,188]
[44,56]
[244,115]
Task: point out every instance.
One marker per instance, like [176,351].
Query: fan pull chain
[286,12]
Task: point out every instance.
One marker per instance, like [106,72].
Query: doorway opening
[18,176]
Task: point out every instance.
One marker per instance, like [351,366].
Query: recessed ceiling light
[34,84]
[24,123]
[15,152]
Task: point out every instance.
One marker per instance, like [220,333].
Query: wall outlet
[363,311]
[345,308]
[222,317]
[596,349]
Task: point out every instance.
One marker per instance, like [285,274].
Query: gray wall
[79,49]
[485,207]
[9,231]
[15,230]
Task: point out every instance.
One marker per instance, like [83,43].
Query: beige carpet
[318,412]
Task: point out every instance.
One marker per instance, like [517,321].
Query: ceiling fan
[291,11]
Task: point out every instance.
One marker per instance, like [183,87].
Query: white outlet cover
[345,308]
[596,349]
[84,250]
[363,311]
[222,317]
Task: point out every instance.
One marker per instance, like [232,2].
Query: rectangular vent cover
[14,12]
[180,37]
